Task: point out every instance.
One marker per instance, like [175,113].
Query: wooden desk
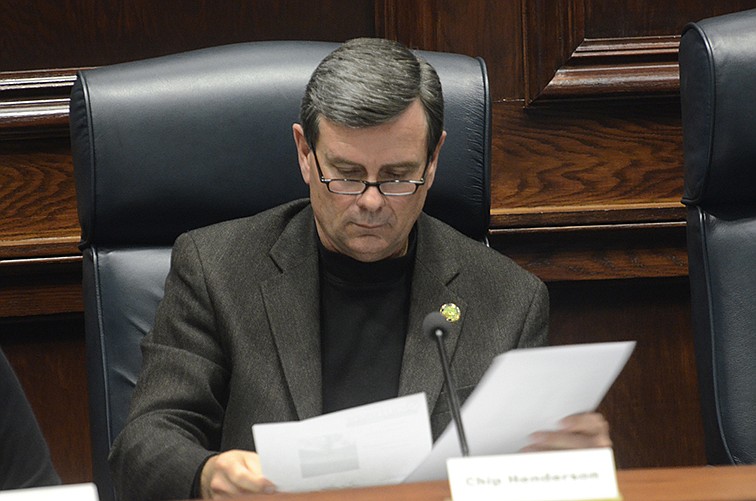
[706,483]
[722,483]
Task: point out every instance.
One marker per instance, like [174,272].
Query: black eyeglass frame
[367,184]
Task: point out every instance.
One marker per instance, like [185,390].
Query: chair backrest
[164,145]
[718,91]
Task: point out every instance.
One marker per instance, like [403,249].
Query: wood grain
[37,196]
[589,154]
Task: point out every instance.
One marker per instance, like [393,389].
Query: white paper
[374,444]
[72,492]
[525,391]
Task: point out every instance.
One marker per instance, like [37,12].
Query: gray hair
[370,81]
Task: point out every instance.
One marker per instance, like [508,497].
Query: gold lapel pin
[451,312]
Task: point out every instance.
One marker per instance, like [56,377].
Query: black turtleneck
[364,309]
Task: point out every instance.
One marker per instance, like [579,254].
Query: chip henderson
[521,479]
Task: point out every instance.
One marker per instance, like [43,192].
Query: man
[316,305]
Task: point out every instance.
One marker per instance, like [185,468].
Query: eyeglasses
[390,188]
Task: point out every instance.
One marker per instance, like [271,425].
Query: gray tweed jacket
[236,339]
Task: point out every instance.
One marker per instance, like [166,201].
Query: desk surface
[722,483]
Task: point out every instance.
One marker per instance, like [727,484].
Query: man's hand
[231,473]
[579,431]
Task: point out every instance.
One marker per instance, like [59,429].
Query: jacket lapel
[296,331]
[435,268]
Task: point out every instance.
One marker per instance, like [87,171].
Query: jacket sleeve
[178,405]
[536,327]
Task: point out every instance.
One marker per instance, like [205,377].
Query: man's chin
[371,252]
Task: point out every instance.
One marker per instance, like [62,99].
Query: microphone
[436,325]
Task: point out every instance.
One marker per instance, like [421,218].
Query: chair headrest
[718,97]
[172,143]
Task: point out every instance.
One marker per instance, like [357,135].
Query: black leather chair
[718,90]
[164,145]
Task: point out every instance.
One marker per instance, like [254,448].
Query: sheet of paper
[373,444]
[526,391]
[71,492]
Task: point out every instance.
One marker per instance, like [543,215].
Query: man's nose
[371,198]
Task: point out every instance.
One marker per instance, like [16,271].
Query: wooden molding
[601,252]
[34,287]
[561,63]
[546,219]
[16,249]
[35,103]
[618,67]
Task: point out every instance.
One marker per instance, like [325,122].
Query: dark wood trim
[43,286]
[600,252]
[552,30]
[618,67]
[560,63]
[13,251]
[35,103]
[385,18]
[534,219]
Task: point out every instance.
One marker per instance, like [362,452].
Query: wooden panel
[40,286]
[599,252]
[48,357]
[653,407]
[37,200]
[638,18]
[490,29]
[593,48]
[602,155]
[38,34]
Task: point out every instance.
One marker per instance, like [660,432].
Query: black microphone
[436,325]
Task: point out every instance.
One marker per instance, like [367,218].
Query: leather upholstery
[168,144]
[718,91]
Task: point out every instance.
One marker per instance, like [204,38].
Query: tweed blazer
[236,339]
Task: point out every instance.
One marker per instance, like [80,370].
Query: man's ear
[303,151]
[430,174]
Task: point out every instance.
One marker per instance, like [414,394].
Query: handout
[524,391]
[373,444]
[388,442]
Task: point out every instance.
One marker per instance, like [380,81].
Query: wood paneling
[596,48]
[595,154]
[639,18]
[653,407]
[490,29]
[38,34]
[48,356]
[40,286]
[599,252]
[37,199]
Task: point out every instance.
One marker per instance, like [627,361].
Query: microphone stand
[451,391]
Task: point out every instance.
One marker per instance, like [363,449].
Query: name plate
[535,476]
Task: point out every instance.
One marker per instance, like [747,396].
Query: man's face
[370,226]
